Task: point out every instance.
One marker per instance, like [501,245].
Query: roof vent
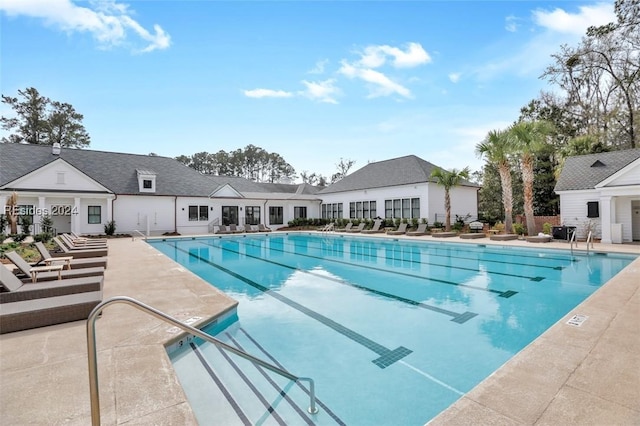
[56,148]
[598,163]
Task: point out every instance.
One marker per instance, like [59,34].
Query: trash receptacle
[559,232]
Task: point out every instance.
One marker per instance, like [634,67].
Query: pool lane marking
[386,356]
[273,384]
[459,318]
[271,411]
[300,385]
[234,404]
[431,246]
[500,293]
[383,245]
[433,379]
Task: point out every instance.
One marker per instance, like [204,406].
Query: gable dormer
[146,180]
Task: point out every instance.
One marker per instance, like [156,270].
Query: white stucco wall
[131,212]
[463,199]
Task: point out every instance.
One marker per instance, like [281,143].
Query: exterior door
[230,215]
[635,223]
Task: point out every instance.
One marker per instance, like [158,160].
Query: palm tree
[496,148]
[449,179]
[528,137]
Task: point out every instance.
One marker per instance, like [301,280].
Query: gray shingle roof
[586,171]
[397,171]
[119,172]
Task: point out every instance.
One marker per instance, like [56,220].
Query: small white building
[601,192]
[82,190]
[398,188]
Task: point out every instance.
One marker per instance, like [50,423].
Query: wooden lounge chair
[48,273]
[77,253]
[422,230]
[375,229]
[74,235]
[250,229]
[328,227]
[262,228]
[234,229]
[358,229]
[346,228]
[503,237]
[402,229]
[82,242]
[68,261]
[25,306]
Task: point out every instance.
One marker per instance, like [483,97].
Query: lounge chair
[48,273]
[76,252]
[68,261]
[503,237]
[223,229]
[346,228]
[358,229]
[82,242]
[234,229]
[74,235]
[422,230]
[328,227]
[262,228]
[250,229]
[402,229]
[375,229]
[26,306]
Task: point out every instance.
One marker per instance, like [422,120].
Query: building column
[3,210]
[75,216]
[109,216]
[607,217]
[38,218]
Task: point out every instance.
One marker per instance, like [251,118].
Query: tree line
[595,108]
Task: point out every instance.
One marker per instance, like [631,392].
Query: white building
[82,190]
[397,188]
[602,192]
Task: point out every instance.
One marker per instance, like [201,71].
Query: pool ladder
[573,240]
[93,355]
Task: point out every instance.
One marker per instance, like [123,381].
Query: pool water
[392,331]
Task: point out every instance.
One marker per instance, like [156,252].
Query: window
[415,208]
[95,214]
[230,215]
[193,213]
[404,208]
[332,211]
[25,212]
[146,180]
[299,212]
[352,210]
[275,216]
[204,213]
[365,209]
[147,184]
[359,209]
[372,209]
[593,209]
[252,215]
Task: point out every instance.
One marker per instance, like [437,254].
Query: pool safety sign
[577,320]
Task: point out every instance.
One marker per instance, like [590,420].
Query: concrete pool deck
[569,375]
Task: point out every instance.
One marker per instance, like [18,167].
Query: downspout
[175,214]
[113,208]
[265,211]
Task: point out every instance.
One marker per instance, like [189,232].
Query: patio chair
[402,229]
[77,253]
[250,229]
[48,273]
[375,229]
[328,227]
[422,230]
[358,229]
[262,228]
[224,229]
[26,306]
[346,228]
[82,242]
[75,235]
[234,229]
[68,261]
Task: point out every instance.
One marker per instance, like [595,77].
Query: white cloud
[109,22]
[511,24]
[319,67]
[267,93]
[376,56]
[455,77]
[380,84]
[322,91]
[577,23]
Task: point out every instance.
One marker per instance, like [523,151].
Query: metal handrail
[211,225]
[93,355]
[572,240]
[589,239]
[143,236]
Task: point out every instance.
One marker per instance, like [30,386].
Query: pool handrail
[92,354]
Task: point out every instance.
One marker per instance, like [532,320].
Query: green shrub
[519,228]
[42,237]
[18,238]
[3,224]
[25,223]
[546,228]
[110,227]
[46,224]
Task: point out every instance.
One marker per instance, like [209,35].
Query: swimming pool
[393,332]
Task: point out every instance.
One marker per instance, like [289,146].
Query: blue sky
[312,81]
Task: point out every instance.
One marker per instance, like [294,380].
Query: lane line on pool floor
[500,293]
[459,318]
[386,356]
[430,377]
